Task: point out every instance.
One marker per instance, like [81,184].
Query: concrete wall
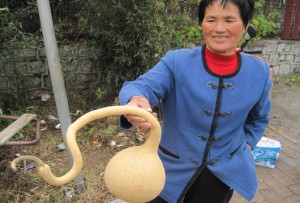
[25,73]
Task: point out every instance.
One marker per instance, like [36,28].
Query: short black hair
[246,8]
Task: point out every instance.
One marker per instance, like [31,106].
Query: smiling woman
[215,109]
[222,28]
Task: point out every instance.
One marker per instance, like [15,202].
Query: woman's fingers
[143,103]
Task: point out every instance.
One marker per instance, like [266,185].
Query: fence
[291,25]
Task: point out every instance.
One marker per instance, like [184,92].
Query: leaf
[61,147]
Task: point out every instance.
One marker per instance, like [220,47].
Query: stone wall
[24,73]
[282,54]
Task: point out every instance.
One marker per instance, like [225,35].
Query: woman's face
[222,28]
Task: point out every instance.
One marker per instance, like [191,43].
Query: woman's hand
[143,103]
[250,147]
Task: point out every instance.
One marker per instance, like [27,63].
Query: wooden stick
[15,127]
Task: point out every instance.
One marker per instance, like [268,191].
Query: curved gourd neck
[152,141]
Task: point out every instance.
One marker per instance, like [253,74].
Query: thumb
[141,102]
[145,105]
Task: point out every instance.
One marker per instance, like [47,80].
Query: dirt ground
[98,142]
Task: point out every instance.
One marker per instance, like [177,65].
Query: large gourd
[135,174]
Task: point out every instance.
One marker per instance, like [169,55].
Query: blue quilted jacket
[208,119]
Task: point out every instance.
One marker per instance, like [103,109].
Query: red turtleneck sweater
[219,64]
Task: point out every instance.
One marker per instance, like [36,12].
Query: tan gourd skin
[135,174]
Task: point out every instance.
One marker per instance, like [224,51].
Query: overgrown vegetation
[265,22]
[130,35]
[19,24]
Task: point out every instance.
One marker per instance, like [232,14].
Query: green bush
[131,35]
[264,22]
[19,25]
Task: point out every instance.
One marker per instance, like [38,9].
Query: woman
[215,109]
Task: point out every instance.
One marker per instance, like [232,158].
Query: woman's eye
[230,20]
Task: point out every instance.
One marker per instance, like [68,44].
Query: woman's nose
[220,27]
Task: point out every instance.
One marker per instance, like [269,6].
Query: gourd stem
[36,160]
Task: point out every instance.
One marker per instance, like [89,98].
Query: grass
[294,79]
[27,185]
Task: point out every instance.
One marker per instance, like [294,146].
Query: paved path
[281,184]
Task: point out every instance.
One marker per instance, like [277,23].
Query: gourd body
[135,174]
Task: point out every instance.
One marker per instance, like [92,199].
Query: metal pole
[56,75]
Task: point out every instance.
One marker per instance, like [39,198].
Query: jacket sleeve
[154,85]
[259,116]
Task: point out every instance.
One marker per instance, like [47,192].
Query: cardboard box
[266,152]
